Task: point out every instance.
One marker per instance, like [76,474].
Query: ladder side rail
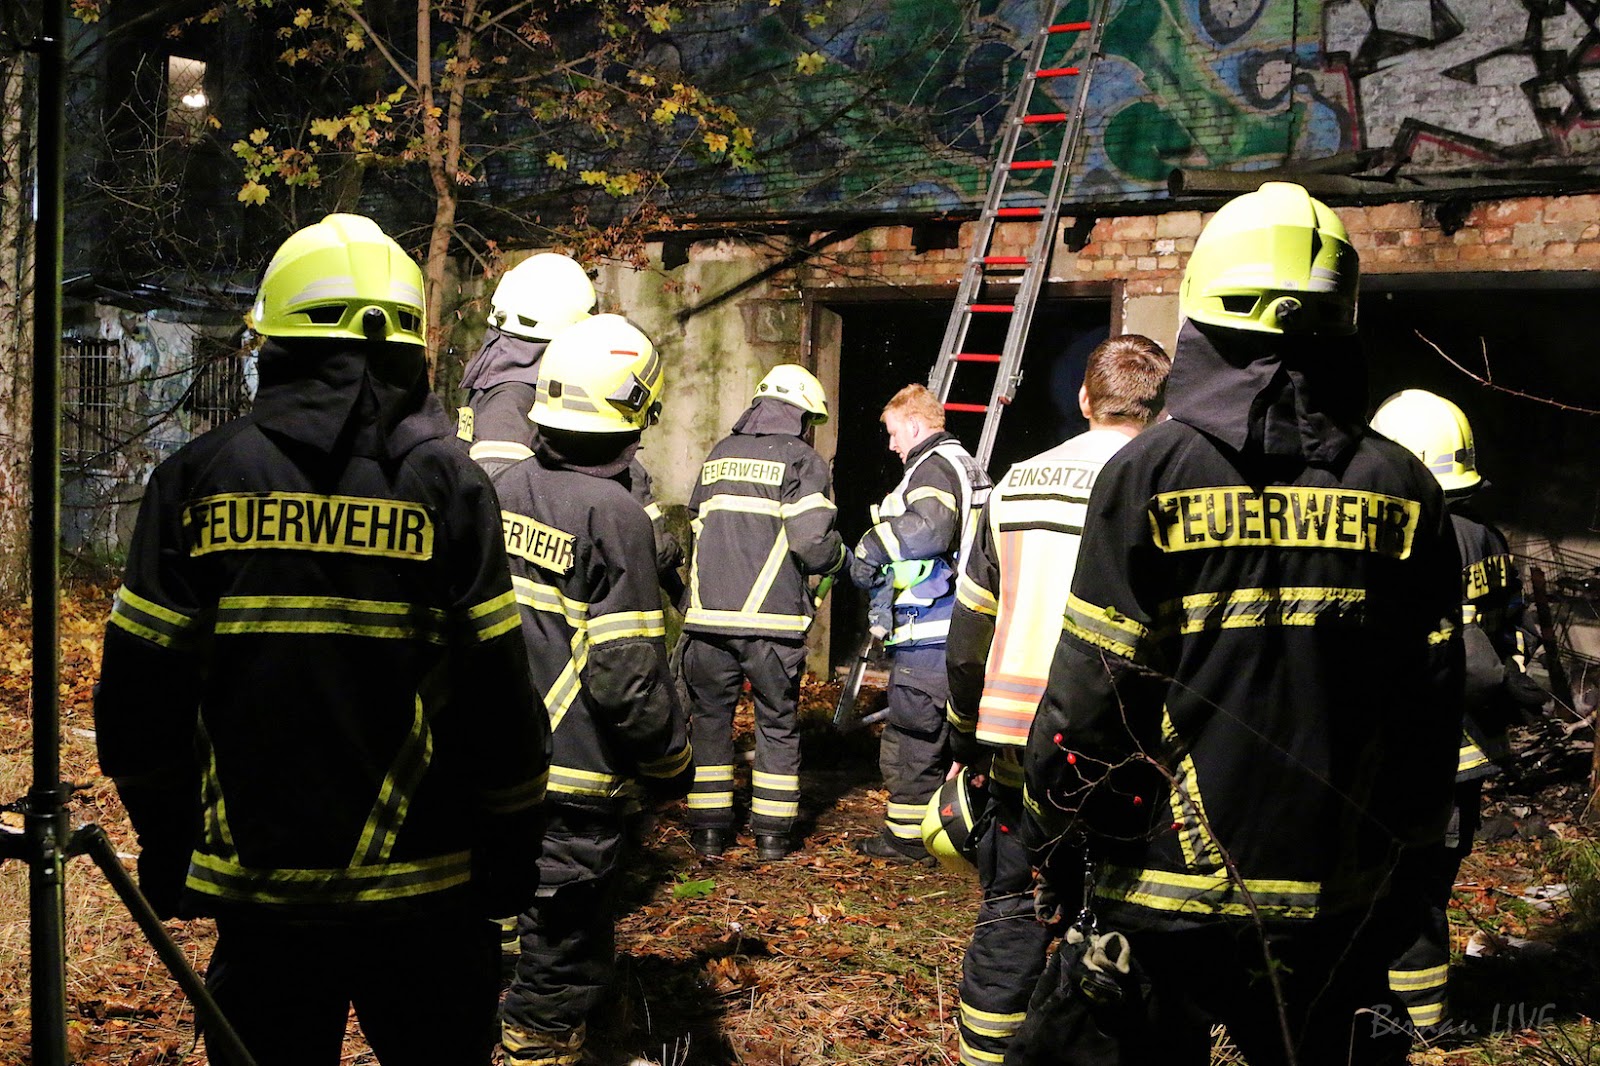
[942,376]
[1032,283]
[1008,375]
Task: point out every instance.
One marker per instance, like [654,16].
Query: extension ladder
[1030,142]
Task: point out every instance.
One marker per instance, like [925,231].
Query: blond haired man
[918,533]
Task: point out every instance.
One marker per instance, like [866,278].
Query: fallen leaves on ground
[827,956]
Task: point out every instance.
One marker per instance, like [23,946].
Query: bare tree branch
[1486,379]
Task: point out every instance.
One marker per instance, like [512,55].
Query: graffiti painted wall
[1452,83]
[903,108]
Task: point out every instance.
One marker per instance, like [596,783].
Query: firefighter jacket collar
[503,358]
[606,455]
[771,417]
[1300,397]
[326,395]
[928,444]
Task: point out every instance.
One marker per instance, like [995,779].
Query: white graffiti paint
[1467,74]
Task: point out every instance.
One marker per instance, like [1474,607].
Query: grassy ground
[827,957]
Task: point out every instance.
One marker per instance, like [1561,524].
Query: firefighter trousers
[1420,975]
[424,989]
[1009,946]
[911,752]
[563,973]
[714,670]
[1338,1008]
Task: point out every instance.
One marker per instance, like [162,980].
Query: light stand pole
[45,819]
[45,843]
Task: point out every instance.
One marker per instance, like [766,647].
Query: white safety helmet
[541,296]
[794,384]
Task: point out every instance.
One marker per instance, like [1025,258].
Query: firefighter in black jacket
[534,301]
[582,565]
[1254,707]
[919,534]
[1009,603]
[1438,433]
[763,516]
[315,701]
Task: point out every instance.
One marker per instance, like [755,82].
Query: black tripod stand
[45,842]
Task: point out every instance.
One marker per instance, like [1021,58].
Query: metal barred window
[218,393]
[92,383]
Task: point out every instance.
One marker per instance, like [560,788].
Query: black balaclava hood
[503,357]
[372,399]
[768,415]
[1269,393]
[598,454]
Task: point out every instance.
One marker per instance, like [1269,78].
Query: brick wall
[717,355]
[1147,253]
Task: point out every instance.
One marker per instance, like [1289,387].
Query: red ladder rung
[1058,72]
[1005,260]
[976,357]
[1031,164]
[1034,120]
[975,408]
[1018,212]
[996,309]
[1069,27]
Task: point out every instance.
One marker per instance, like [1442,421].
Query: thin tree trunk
[16,324]
[442,142]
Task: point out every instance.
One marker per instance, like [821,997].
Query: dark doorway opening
[886,346]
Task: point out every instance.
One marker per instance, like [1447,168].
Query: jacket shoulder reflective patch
[541,545]
[754,471]
[299,521]
[464,419]
[1284,516]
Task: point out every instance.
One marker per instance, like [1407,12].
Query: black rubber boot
[709,843]
[770,848]
[881,847]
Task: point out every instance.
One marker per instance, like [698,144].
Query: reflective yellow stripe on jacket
[331,615]
[222,878]
[749,614]
[587,632]
[561,694]
[149,620]
[571,781]
[1209,893]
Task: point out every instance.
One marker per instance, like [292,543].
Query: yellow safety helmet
[541,296]
[342,278]
[600,376]
[794,384]
[1276,260]
[948,821]
[1435,431]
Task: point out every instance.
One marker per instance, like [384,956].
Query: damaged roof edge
[1355,190]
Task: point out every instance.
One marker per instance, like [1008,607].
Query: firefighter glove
[864,575]
[165,811]
[663,790]
[1050,907]
[163,869]
[505,863]
[964,748]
